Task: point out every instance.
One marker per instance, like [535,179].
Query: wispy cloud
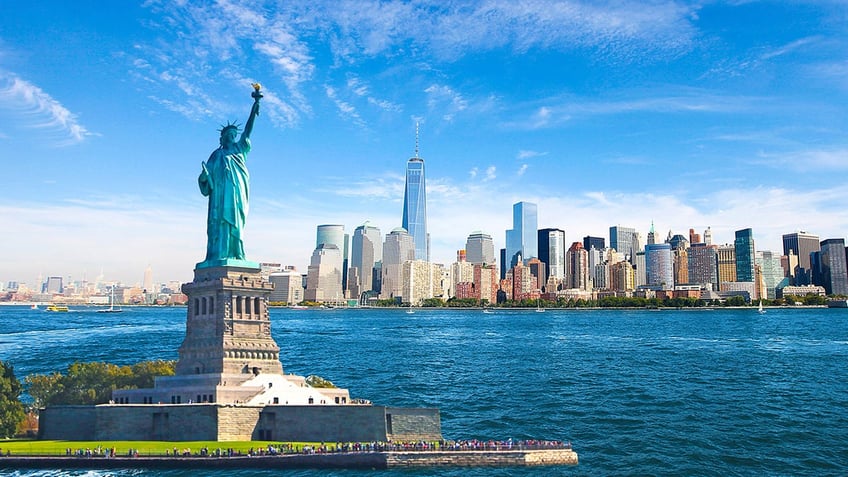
[788,48]
[451,30]
[33,108]
[445,101]
[528,154]
[806,160]
[521,170]
[361,89]
[346,110]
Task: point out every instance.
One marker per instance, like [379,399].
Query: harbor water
[636,392]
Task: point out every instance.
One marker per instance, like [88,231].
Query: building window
[311,401]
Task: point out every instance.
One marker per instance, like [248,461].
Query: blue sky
[688,114]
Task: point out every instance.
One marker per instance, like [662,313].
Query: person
[225,180]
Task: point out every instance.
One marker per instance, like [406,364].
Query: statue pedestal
[228,329]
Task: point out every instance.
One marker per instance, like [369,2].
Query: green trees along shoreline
[11,409]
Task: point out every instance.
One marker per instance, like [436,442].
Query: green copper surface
[225,180]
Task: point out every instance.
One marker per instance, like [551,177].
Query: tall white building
[397,249]
[324,276]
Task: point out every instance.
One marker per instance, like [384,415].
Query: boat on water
[34,306]
[56,308]
[111,308]
[760,308]
[487,310]
[539,308]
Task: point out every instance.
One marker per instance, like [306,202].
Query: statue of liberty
[224,179]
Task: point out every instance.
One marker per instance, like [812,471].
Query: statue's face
[228,136]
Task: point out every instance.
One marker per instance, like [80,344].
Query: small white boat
[539,308]
[760,308]
[111,308]
[34,306]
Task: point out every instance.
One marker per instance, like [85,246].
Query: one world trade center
[415,205]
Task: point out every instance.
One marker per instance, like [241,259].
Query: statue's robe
[226,185]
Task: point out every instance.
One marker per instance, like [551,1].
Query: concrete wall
[217,422]
[324,423]
[238,423]
[157,422]
[414,424]
[67,423]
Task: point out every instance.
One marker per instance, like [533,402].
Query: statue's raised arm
[225,180]
[254,111]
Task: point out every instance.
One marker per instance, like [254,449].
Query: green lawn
[157,448]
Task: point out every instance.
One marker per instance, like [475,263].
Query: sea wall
[413,424]
[219,422]
[367,460]
[511,458]
[67,423]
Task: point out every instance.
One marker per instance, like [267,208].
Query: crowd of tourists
[342,447]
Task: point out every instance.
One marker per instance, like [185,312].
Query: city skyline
[687,115]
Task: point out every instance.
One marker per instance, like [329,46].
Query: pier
[341,460]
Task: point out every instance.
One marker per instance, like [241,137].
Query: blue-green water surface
[672,392]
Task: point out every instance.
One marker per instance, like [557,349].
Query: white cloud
[527,154]
[31,107]
[450,30]
[521,170]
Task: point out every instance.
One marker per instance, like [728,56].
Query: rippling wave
[730,392]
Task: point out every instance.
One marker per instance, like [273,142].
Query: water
[683,392]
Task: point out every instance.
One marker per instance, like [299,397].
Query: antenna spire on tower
[416,139]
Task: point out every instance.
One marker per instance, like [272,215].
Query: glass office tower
[522,239]
[415,208]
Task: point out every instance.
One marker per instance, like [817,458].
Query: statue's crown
[229,126]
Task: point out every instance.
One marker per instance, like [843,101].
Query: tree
[11,408]
[93,383]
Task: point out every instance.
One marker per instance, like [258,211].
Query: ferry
[57,308]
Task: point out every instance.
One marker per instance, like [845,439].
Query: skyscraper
[366,250]
[833,273]
[397,249]
[623,239]
[802,244]
[334,234]
[726,258]
[552,253]
[745,258]
[522,239]
[415,205]
[324,275]
[598,243]
[659,266]
[480,249]
[577,265]
[703,264]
